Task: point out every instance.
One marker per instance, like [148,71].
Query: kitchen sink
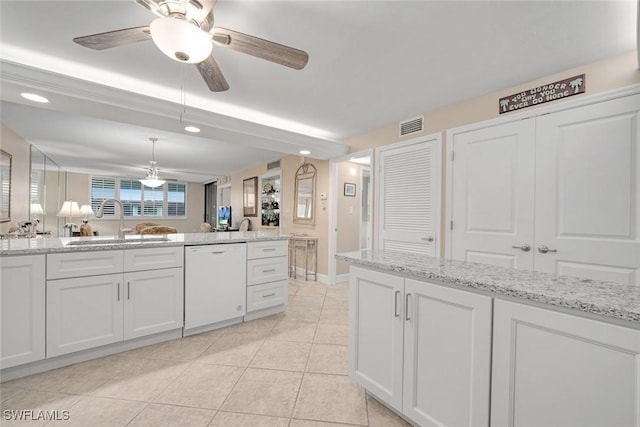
[140,240]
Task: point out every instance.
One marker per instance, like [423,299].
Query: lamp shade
[86,210]
[180,40]
[152,182]
[36,209]
[69,209]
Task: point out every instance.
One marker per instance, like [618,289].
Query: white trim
[333,214]
[536,112]
[437,189]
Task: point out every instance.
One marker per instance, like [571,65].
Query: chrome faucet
[100,212]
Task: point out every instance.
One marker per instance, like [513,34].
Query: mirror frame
[305,171]
[5,186]
[250,196]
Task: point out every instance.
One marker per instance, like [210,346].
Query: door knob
[428,239]
[524,247]
[543,249]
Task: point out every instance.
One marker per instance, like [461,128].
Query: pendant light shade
[152,180]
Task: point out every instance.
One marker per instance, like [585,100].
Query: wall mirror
[5,186]
[305,194]
[250,196]
[47,192]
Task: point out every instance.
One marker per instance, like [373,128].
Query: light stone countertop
[10,247]
[606,300]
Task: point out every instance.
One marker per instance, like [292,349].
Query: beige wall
[288,167]
[608,74]
[348,210]
[20,151]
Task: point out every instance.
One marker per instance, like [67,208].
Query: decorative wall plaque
[541,94]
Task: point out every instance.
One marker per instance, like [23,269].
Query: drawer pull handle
[268,249]
[217,253]
[128,290]
[271,270]
[118,291]
[269,295]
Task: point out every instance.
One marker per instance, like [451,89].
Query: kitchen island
[66,300]
[452,343]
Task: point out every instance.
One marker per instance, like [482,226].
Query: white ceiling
[372,63]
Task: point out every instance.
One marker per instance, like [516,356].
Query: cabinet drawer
[266,270]
[80,264]
[265,296]
[267,249]
[153,258]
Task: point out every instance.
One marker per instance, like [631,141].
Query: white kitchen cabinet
[267,282]
[22,301]
[421,348]
[447,356]
[554,369]
[84,312]
[153,302]
[376,342]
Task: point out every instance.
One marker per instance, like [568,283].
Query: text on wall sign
[541,94]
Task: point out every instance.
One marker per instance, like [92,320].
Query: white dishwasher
[215,284]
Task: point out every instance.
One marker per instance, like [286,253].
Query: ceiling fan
[183,30]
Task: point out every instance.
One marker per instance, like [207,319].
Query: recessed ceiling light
[305,152]
[33,97]
[192,129]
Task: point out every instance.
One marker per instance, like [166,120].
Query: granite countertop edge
[575,294]
[14,247]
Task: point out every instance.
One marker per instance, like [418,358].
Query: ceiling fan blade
[212,75]
[271,51]
[114,38]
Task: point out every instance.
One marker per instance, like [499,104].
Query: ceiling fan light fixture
[181,40]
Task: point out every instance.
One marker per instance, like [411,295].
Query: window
[168,200]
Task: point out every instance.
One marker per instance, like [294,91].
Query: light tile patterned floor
[286,370]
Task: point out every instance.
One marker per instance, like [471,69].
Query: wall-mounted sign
[541,94]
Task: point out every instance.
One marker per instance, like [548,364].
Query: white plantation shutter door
[408,189]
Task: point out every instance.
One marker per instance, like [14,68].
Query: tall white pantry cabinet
[557,193]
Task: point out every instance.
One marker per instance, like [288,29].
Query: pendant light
[152,180]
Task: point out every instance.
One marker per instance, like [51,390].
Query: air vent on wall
[411,126]
[273,165]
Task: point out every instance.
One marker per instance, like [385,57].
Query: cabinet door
[84,313]
[375,333]
[492,195]
[153,302]
[22,301]
[554,369]
[447,356]
[587,187]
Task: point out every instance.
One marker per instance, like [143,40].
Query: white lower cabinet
[83,313]
[153,302]
[554,369]
[423,349]
[22,305]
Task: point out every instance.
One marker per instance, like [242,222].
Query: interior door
[492,203]
[587,188]
[409,195]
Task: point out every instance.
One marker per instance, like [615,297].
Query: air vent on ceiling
[273,165]
[411,126]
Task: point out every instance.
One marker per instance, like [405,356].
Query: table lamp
[69,209]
